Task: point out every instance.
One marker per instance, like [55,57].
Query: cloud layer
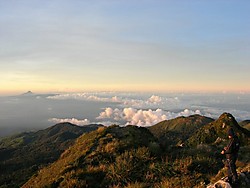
[128,116]
[84,96]
[154,101]
[132,116]
[146,110]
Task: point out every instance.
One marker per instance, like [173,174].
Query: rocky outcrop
[244,182]
[220,184]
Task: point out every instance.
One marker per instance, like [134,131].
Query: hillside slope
[176,131]
[133,157]
[23,154]
[215,133]
[245,124]
[108,156]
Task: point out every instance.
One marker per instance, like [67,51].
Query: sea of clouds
[146,110]
[38,111]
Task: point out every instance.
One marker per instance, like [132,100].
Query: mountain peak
[28,93]
[227,120]
[218,129]
[226,116]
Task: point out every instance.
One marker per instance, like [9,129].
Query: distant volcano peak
[28,93]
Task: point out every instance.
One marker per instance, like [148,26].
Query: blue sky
[73,45]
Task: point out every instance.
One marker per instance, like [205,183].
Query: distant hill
[216,132]
[23,154]
[245,124]
[176,131]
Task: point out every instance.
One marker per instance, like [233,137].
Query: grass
[132,157]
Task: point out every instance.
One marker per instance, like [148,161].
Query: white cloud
[107,113]
[142,117]
[155,99]
[130,110]
[71,120]
[140,110]
[188,112]
[85,97]
[152,102]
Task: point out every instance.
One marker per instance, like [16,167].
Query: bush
[129,166]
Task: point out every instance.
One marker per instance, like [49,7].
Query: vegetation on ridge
[108,156]
[215,133]
[23,154]
[176,131]
[134,157]
[147,157]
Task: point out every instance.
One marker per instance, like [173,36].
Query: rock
[220,184]
[244,182]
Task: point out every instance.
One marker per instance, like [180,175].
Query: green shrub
[129,166]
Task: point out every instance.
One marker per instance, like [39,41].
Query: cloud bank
[147,110]
[132,116]
[84,96]
[128,116]
[154,101]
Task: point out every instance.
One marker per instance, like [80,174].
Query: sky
[124,45]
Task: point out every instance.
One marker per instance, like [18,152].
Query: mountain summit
[216,131]
[28,93]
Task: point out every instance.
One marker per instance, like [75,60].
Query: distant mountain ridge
[172,153]
[26,152]
[28,93]
[245,124]
[132,156]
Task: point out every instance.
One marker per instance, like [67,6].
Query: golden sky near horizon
[159,46]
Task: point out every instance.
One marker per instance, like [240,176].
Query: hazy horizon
[34,111]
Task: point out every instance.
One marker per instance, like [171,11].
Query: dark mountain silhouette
[28,93]
[23,154]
